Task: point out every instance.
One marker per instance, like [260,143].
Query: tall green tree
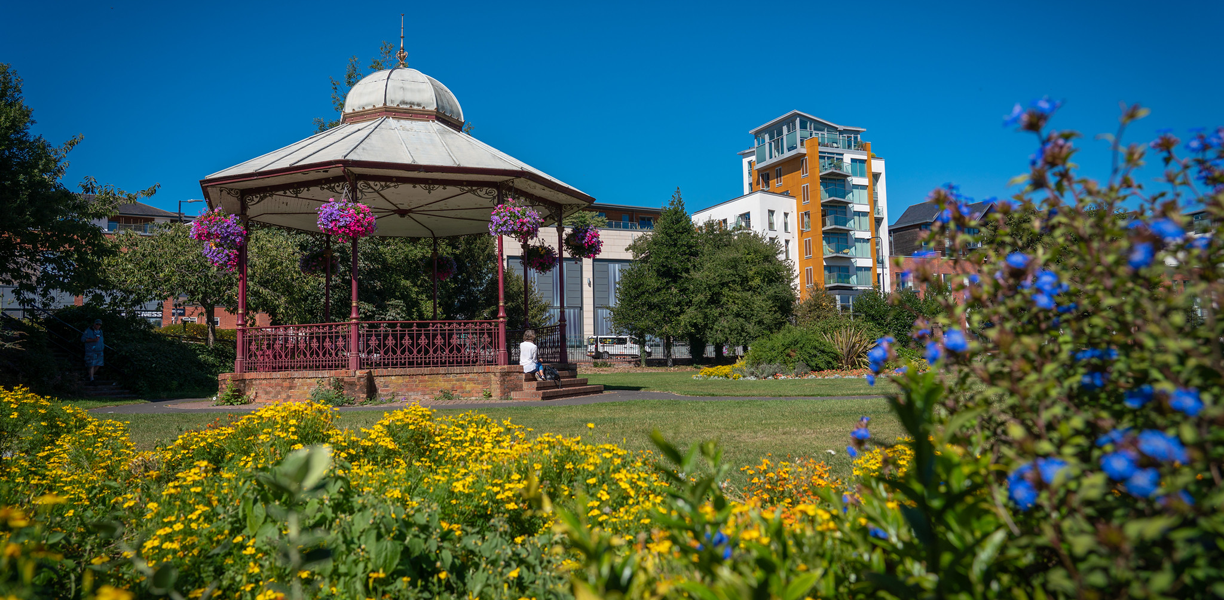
[740,289]
[654,294]
[48,239]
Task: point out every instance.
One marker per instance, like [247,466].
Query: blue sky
[625,101]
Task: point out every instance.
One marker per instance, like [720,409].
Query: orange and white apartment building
[820,190]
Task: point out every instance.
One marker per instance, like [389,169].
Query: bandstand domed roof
[401,88]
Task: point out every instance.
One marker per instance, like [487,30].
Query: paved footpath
[202,405]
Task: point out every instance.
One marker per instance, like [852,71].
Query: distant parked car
[608,346]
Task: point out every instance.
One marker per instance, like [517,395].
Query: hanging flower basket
[541,259]
[516,220]
[346,219]
[315,262]
[222,236]
[583,242]
[446,267]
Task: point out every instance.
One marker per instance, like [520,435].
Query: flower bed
[740,372]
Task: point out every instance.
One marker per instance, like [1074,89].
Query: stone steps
[557,393]
[568,386]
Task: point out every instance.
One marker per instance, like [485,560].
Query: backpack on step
[551,374]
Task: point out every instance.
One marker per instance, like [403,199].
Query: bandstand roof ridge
[408,158]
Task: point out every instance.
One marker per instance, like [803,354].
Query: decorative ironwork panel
[548,344]
[408,344]
[318,347]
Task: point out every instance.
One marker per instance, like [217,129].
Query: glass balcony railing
[839,221]
[846,250]
[879,211]
[630,225]
[835,194]
[838,278]
[1202,226]
[834,166]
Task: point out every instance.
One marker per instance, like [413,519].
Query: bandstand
[400,149]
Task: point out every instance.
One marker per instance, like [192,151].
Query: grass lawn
[683,383]
[747,429]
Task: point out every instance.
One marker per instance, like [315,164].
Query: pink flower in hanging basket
[346,219]
[515,219]
[222,236]
[583,242]
[541,259]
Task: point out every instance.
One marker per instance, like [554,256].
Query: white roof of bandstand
[408,158]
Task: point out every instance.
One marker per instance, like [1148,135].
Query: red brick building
[909,235]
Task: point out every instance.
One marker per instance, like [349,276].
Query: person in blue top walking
[92,338]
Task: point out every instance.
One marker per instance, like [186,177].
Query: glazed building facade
[840,201]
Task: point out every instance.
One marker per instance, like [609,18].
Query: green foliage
[851,344]
[654,294]
[196,332]
[585,218]
[330,392]
[42,222]
[792,345]
[740,289]
[231,396]
[895,314]
[818,306]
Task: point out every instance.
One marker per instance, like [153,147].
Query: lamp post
[180,208]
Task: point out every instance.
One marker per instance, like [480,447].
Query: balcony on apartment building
[838,279]
[630,225]
[839,223]
[141,228]
[836,195]
[792,143]
[833,140]
[840,250]
[834,168]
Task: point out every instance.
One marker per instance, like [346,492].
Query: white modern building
[769,214]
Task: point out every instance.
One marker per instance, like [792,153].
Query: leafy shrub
[231,396]
[330,392]
[851,344]
[198,332]
[792,345]
[801,368]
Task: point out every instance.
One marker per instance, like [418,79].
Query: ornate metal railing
[313,347]
[398,344]
[548,344]
[379,345]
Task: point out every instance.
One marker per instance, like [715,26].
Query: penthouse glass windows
[858,168]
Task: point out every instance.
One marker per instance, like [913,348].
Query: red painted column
[240,359]
[561,284]
[327,283]
[526,294]
[354,358]
[435,277]
[503,354]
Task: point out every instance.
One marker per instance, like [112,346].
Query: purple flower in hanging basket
[515,219]
[541,259]
[583,242]
[346,219]
[222,236]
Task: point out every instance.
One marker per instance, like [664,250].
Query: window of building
[858,168]
[786,222]
[778,177]
[786,247]
[805,221]
[803,166]
[603,215]
[764,180]
[804,194]
[646,222]
[807,248]
[723,223]
[807,277]
[744,221]
[624,218]
[771,221]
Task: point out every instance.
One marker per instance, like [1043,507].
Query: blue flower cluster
[1022,488]
[858,437]
[1123,464]
[718,539]
[954,341]
[877,356]
[1147,235]
[1096,354]
[1034,117]
[1184,400]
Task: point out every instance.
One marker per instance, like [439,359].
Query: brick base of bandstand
[413,384]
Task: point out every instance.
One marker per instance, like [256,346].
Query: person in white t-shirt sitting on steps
[529,356]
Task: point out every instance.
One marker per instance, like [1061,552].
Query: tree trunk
[212,326]
[718,353]
[667,341]
[642,348]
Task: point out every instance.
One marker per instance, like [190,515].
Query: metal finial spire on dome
[401,55]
